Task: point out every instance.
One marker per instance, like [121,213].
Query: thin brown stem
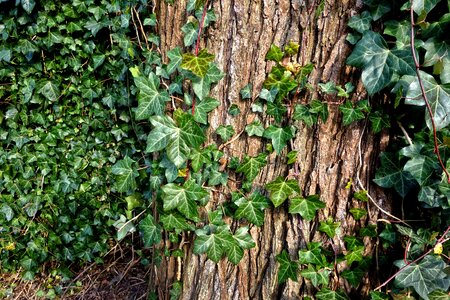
[422,89]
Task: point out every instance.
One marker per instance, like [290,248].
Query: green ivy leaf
[328,88]
[425,276]
[421,168]
[320,108]
[439,295]
[50,91]
[327,294]
[246,91]
[255,128]
[251,166]
[292,157]
[378,62]
[151,231]
[360,23]
[252,208]
[243,238]
[424,6]
[190,31]
[379,121]
[391,174]
[317,277]
[184,198]
[28,5]
[176,58]
[378,296]
[303,113]
[355,255]
[306,207]
[267,95]
[174,221]
[288,269]
[350,113]
[234,110]
[358,213]
[353,276]
[291,48]
[203,108]
[202,85]
[438,96]
[329,227]
[199,64]
[281,80]
[225,132]
[280,189]
[312,255]
[279,136]
[275,54]
[126,173]
[361,195]
[151,101]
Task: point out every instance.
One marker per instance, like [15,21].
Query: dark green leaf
[288,269]
[329,227]
[279,136]
[246,91]
[203,108]
[358,213]
[327,294]
[307,208]
[225,132]
[151,100]
[317,277]
[151,231]
[126,173]
[360,23]
[251,166]
[252,208]
[280,189]
[254,128]
[274,54]
[350,113]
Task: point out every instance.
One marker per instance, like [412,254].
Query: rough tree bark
[328,153]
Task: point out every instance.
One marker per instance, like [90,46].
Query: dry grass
[122,276]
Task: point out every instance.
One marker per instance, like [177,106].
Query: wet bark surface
[330,155]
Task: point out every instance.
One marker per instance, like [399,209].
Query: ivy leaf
[360,23]
[287,269]
[197,64]
[281,189]
[203,108]
[277,110]
[378,296]
[151,101]
[50,91]
[438,96]
[275,54]
[246,91]
[425,276]
[234,110]
[328,88]
[7,211]
[28,5]
[279,136]
[379,121]
[251,166]
[350,113]
[126,173]
[378,62]
[291,48]
[281,80]
[267,95]
[303,113]
[320,108]
[312,255]
[190,31]
[327,294]
[307,208]
[318,277]
[174,221]
[243,238]
[151,231]
[202,85]
[176,58]
[391,174]
[400,30]
[329,227]
[421,168]
[355,255]
[199,158]
[358,213]
[225,132]
[436,51]
[423,6]
[183,198]
[177,140]
[252,208]
[439,295]
[254,128]
[353,276]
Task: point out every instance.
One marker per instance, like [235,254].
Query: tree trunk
[329,156]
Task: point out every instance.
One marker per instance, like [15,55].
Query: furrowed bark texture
[328,153]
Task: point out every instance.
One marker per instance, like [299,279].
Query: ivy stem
[200,27]
[422,89]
